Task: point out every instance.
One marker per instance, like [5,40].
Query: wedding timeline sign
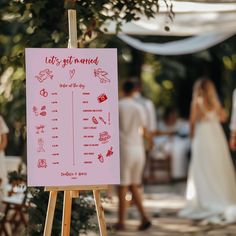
[72,117]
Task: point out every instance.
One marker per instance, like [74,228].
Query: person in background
[151,122]
[177,145]
[172,123]
[3,143]
[233,124]
[132,154]
[211,186]
[148,106]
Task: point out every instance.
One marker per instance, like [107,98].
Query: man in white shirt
[149,107]
[151,122]
[132,122]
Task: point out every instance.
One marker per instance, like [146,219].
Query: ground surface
[162,202]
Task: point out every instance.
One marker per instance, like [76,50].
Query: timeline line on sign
[73,130]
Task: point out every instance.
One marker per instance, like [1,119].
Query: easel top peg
[72,43]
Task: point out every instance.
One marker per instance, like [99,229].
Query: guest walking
[151,124]
[132,124]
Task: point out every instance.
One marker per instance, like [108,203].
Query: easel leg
[50,213]
[100,213]
[65,230]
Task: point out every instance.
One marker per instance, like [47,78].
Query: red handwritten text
[70,60]
[72,85]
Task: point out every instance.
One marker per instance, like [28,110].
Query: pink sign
[72,117]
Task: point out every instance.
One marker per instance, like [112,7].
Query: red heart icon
[72,73]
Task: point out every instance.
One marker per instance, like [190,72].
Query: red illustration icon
[42,163]
[72,73]
[109,152]
[104,137]
[95,121]
[100,158]
[40,129]
[44,75]
[102,97]
[101,119]
[35,110]
[43,93]
[102,75]
[42,111]
[40,145]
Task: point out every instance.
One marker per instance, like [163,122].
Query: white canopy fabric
[208,22]
[191,18]
[179,47]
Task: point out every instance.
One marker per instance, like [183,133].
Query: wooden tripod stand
[69,193]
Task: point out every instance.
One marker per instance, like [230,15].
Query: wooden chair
[159,165]
[15,213]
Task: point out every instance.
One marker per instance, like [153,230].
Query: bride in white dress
[211,186]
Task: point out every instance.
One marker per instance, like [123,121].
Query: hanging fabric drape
[190,19]
[179,47]
[206,23]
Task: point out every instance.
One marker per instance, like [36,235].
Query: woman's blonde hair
[205,95]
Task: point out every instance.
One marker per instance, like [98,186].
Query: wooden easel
[72,191]
[69,193]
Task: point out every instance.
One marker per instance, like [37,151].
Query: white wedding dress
[211,186]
